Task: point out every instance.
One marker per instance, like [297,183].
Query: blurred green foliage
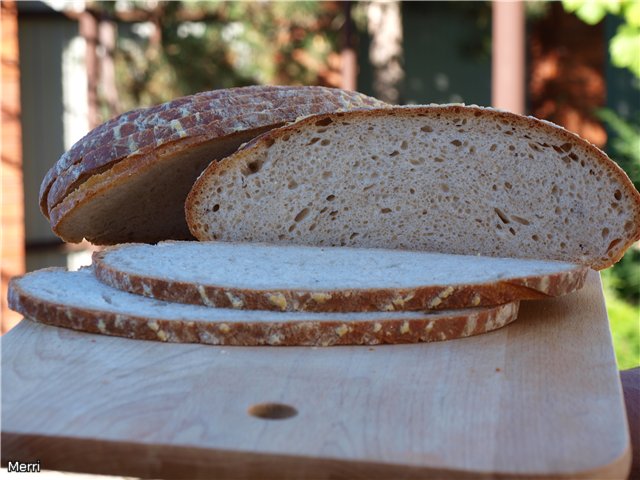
[624,319]
[625,45]
[622,281]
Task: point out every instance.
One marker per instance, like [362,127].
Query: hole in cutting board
[272,411]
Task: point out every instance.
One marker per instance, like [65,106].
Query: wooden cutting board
[539,398]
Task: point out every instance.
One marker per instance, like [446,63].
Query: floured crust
[103,198]
[218,112]
[434,327]
[431,297]
[628,233]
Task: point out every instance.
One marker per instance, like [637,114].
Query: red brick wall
[12,243]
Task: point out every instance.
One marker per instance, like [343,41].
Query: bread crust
[431,297]
[558,133]
[449,326]
[109,168]
[204,116]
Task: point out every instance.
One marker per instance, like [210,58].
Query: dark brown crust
[324,333]
[442,297]
[555,131]
[142,130]
[136,122]
[98,187]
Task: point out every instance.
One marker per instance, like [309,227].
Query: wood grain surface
[539,398]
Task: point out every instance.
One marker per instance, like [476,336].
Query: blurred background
[67,66]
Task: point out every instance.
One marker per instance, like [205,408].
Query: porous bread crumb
[450,179]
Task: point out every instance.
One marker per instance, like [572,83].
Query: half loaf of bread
[127,180]
[452,179]
[330,279]
[77,300]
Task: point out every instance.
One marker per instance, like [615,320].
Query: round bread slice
[329,279]
[77,300]
[448,178]
[133,188]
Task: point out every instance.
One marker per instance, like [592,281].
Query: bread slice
[330,279]
[96,191]
[451,179]
[77,300]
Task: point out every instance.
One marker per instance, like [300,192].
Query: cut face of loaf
[292,278]
[77,300]
[451,179]
[129,181]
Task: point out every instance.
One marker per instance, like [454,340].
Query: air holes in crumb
[394,153]
[324,122]
[427,129]
[493,147]
[253,167]
[444,187]
[216,207]
[330,198]
[417,161]
[385,210]
[613,243]
[326,174]
[563,245]
[313,140]
[535,238]
[457,143]
[438,159]
[501,214]
[292,185]
[404,145]
[107,299]
[507,185]
[301,215]
[325,142]
[605,232]
[353,235]
[272,411]
[520,220]
[512,231]
[617,195]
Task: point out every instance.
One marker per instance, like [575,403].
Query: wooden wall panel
[12,242]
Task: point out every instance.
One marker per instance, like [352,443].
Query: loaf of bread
[329,279]
[441,178]
[127,179]
[77,300]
